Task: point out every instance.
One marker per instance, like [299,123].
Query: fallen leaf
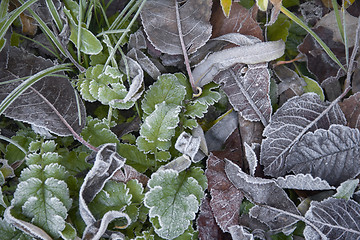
[351,109]
[240,20]
[160,24]
[303,182]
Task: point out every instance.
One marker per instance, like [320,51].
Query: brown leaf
[319,63]
[129,173]
[226,199]
[351,109]
[275,11]
[206,224]
[240,20]
[28,24]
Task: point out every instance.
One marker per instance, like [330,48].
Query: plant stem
[186,58]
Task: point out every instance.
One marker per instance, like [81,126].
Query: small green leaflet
[8,232]
[173,200]
[159,128]
[97,132]
[135,158]
[262,4]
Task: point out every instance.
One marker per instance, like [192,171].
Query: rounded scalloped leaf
[37,171]
[173,200]
[97,132]
[168,88]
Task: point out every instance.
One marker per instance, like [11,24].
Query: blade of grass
[47,30]
[338,19]
[29,82]
[55,14]
[314,35]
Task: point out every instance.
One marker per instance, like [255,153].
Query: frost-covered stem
[76,136]
[186,58]
[353,55]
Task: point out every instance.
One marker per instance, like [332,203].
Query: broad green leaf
[313,86]
[23,138]
[159,128]
[280,29]
[135,158]
[97,132]
[114,196]
[166,89]
[173,200]
[89,43]
[226,6]
[8,232]
[45,202]
[262,4]
[69,233]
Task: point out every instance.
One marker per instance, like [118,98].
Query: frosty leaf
[221,60]
[249,94]
[159,128]
[26,227]
[303,182]
[135,158]
[187,144]
[31,106]
[47,210]
[173,200]
[333,219]
[288,124]
[206,223]
[108,87]
[240,233]
[144,62]
[107,162]
[128,174]
[69,232]
[226,199]
[160,24]
[179,164]
[251,158]
[8,232]
[114,196]
[313,86]
[168,89]
[330,154]
[274,204]
[199,106]
[89,44]
[97,132]
[346,189]
[351,109]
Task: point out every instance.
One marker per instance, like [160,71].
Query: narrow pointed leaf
[330,154]
[160,24]
[289,124]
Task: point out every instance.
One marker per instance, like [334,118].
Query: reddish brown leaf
[226,199]
[319,63]
[206,224]
[351,109]
[240,20]
[129,173]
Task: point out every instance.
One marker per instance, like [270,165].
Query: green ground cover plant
[168,119]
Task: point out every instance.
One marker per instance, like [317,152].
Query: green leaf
[280,29]
[135,158]
[226,6]
[8,232]
[89,44]
[23,138]
[69,233]
[97,132]
[159,128]
[168,89]
[173,200]
[313,86]
[262,4]
[114,196]
[346,189]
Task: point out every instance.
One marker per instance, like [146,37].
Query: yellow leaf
[262,4]
[226,6]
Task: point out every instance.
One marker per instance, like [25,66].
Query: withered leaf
[207,227]
[31,107]
[160,24]
[332,155]
[303,182]
[248,94]
[240,20]
[226,199]
[351,109]
[287,126]
[273,203]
